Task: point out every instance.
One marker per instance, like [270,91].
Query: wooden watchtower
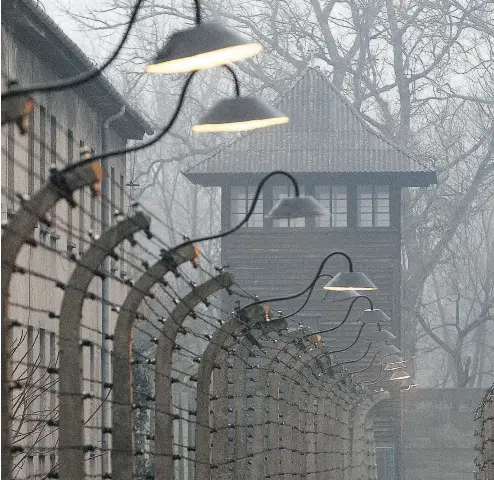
[355,172]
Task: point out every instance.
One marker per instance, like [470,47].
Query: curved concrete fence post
[371,463]
[361,461]
[16,233]
[71,409]
[222,338]
[332,461]
[270,377]
[314,387]
[219,406]
[122,453]
[281,404]
[274,415]
[347,405]
[240,406]
[164,467]
[246,389]
[268,416]
[298,387]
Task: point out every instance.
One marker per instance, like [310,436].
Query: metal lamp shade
[379,336]
[394,366]
[206,45]
[399,375]
[239,114]
[389,350]
[375,315]
[296,207]
[350,281]
[408,384]
[339,296]
[390,359]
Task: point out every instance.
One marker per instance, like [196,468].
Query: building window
[53,363]
[373,205]
[53,160]
[10,165]
[92,207]
[385,460]
[241,200]
[284,191]
[334,199]
[53,141]
[42,147]
[122,209]
[112,205]
[30,153]
[70,159]
[42,365]
[82,210]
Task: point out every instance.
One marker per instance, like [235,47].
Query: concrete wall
[438,433]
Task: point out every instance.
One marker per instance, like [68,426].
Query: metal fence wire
[194,391]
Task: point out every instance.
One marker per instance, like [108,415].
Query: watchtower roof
[325,134]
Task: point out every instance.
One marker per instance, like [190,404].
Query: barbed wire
[273,393]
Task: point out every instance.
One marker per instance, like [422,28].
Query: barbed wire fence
[484,437]
[208,393]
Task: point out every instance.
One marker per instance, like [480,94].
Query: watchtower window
[284,191]
[373,205]
[241,200]
[334,199]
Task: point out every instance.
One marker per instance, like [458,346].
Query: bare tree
[456,310]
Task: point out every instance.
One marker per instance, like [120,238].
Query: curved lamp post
[357,280]
[293,207]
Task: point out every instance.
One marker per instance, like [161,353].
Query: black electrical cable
[82,77]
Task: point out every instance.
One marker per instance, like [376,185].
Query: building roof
[29,23]
[325,134]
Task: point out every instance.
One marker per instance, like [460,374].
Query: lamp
[350,281]
[373,315]
[388,350]
[296,207]
[391,360]
[343,295]
[205,45]
[394,366]
[338,296]
[310,287]
[408,384]
[399,375]
[380,336]
[299,203]
[345,281]
[240,114]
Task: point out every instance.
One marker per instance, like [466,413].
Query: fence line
[213,394]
